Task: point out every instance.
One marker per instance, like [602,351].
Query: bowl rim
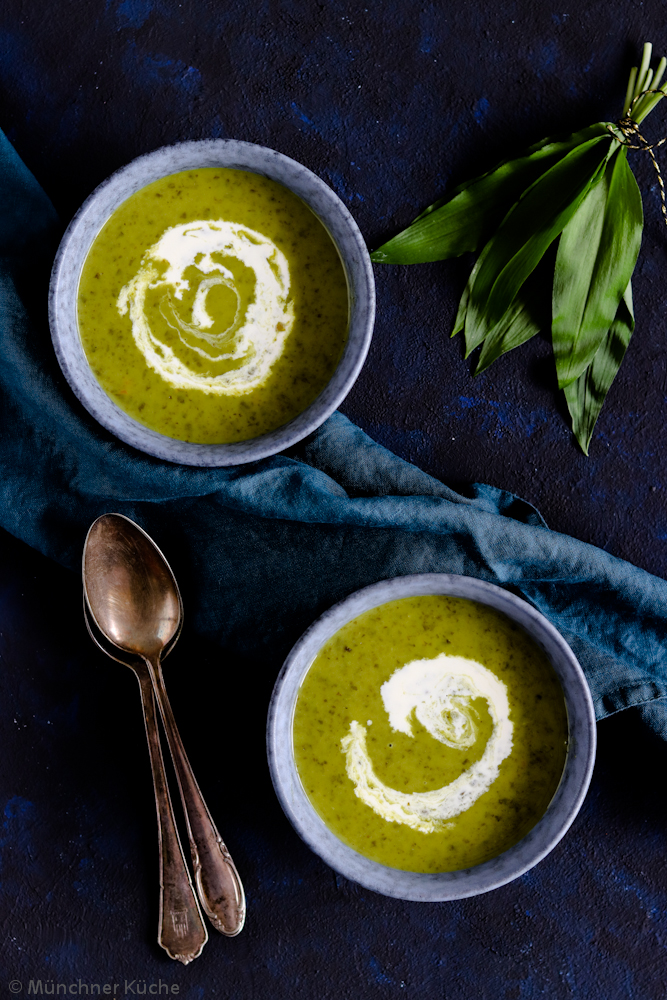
[145,169]
[496,872]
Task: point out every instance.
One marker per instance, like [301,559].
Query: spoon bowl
[129,587]
[110,648]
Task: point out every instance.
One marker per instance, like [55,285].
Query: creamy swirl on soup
[441,693]
[223,351]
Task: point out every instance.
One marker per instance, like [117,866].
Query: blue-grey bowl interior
[446,885]
[113,192]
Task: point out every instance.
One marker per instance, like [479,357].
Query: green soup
[430,733]
[213,306]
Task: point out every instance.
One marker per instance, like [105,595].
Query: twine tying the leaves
[630,129]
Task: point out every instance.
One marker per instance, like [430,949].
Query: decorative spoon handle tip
[218,884]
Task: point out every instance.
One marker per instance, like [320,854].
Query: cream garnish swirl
[440,692]
[247,348]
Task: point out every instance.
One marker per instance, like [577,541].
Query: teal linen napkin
[261,550]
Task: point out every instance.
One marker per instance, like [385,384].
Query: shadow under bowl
[508,865]
[96,211]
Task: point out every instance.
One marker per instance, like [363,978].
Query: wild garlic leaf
[575,264]
[473,180]
[465,220]
[518,325]
[596,256]
[526,233]
[585,396]
[460,321]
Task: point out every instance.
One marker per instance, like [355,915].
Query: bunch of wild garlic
[579,191]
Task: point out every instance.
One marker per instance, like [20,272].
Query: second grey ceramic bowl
[446,885]
[187,156]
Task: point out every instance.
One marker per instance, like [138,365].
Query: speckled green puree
[343,692]
[213,306]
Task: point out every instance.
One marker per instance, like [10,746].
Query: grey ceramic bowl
[447,885]
[186,156]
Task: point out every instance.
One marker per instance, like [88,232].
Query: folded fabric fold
[263,549]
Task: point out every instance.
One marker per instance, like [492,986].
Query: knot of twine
[630,131]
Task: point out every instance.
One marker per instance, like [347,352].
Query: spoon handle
[181,930]
[217,880]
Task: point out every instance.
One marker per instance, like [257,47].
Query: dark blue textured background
[390,103]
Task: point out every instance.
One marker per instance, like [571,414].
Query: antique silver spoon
[134,601]
[181,929]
